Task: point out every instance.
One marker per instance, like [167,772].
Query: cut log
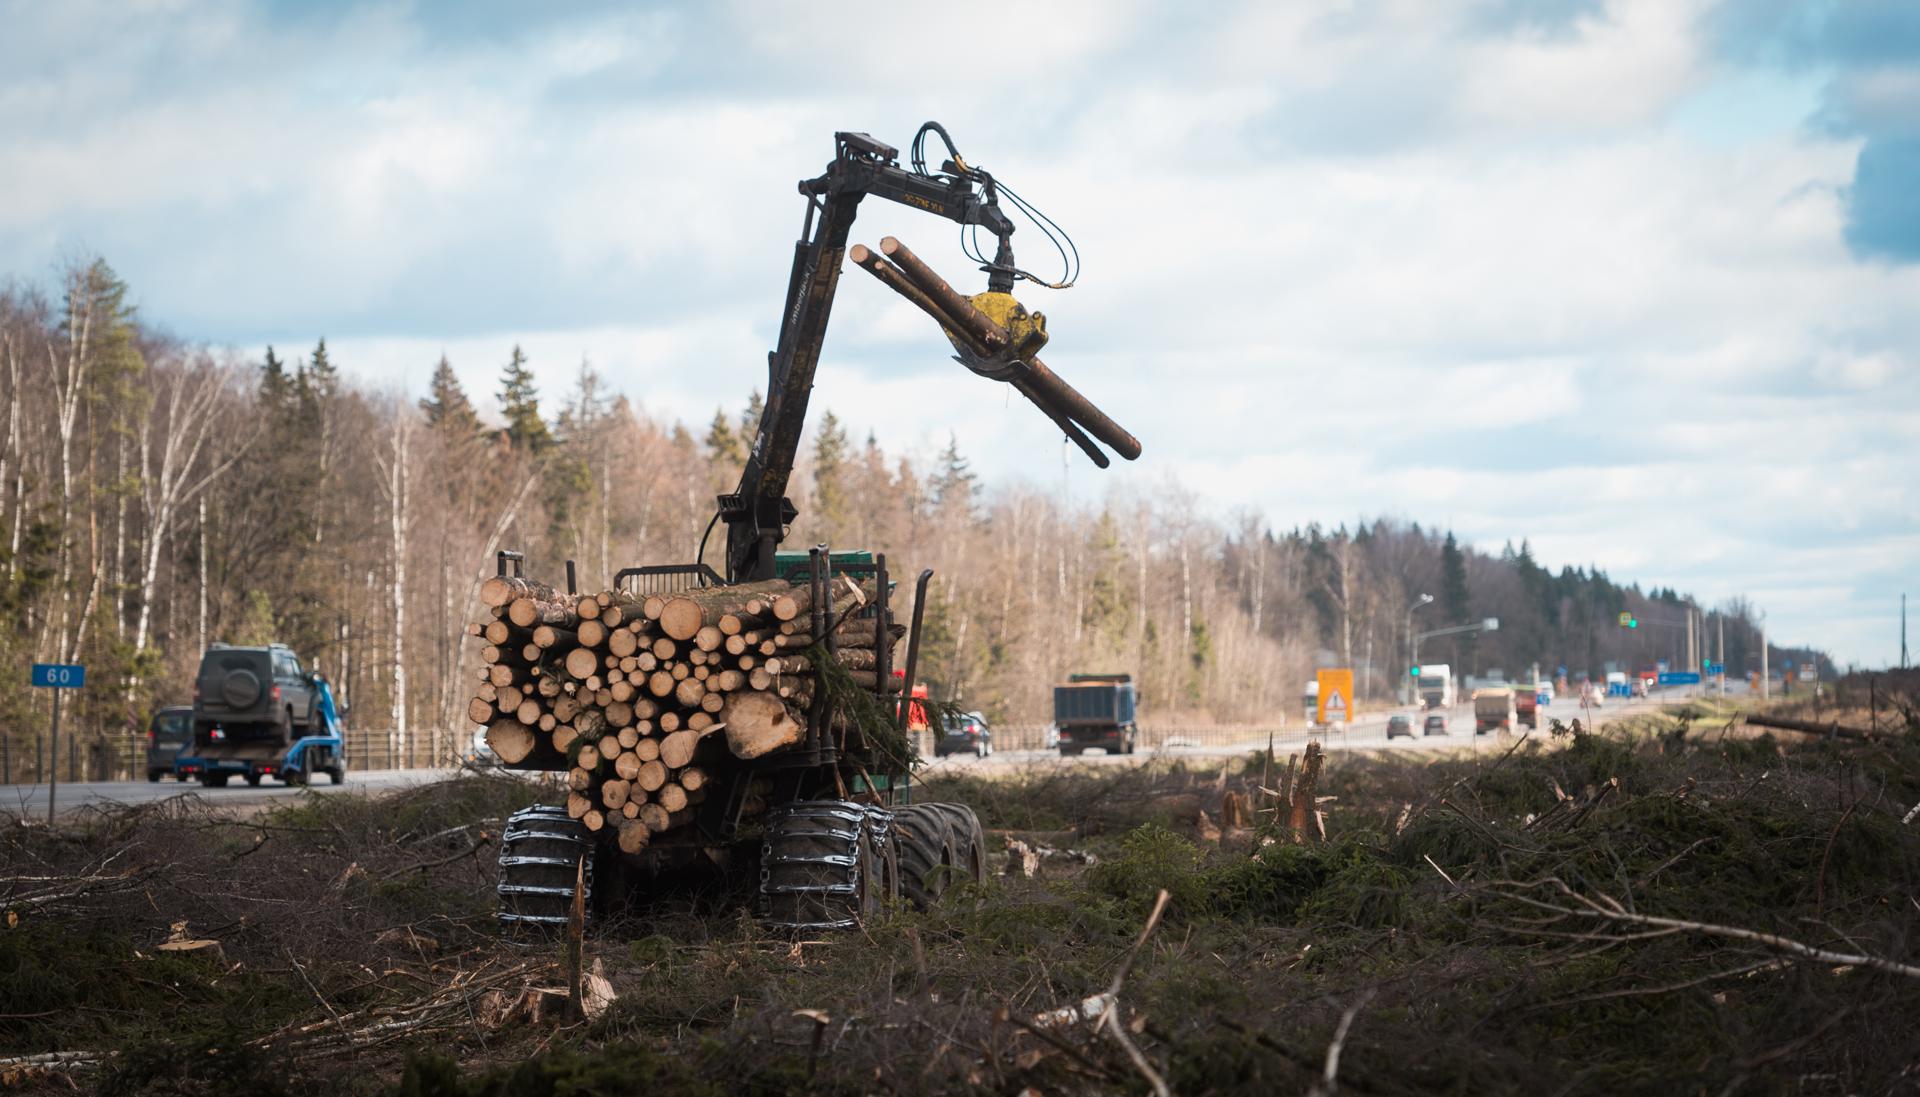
[652,775]
[613,793]
[646,750]
[498,590]
[689,692]
[588,758]
[672,797]
[581,662]
[579,780]
[627,765]
[709,638]
[564,736]
[656,818]
[634,834]
[660,683]
[609,747]
[529,612]
[619,713]
[511,740]
[692,778]
[480,710]
[498,633]
[555,639]
[621,643]
[685,613]
[676,750]
[591,634]
[578,805]
[758,722]
[594,819]
[529,712]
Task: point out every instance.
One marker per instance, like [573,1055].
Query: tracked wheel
[939,845]
[540,856]
[826,864]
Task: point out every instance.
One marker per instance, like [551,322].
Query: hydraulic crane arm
[758,512]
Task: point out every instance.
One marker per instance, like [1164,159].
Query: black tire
[214,780]
[253,780]
[939,844]
[154,776]
[540,853]
[827,864]
[295,776]
[980,750]
[338,774]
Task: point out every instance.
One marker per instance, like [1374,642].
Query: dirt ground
[1679,907]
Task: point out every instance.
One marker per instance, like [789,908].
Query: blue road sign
[1680,678]
[59,676]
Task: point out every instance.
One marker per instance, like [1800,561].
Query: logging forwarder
[811,780]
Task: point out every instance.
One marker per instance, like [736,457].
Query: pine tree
[520,405]
[832,493]
[953,484]
[750,417]
[321,372]
[724,446]
[275,386]
[446,405]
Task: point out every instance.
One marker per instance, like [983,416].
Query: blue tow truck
[320,749]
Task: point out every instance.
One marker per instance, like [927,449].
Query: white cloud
[1340,259]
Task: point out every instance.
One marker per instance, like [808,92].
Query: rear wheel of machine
[213,780]
[827,864]
[541,850]
[253,779]
[939,845]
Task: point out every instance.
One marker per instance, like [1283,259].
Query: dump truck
[1493,710]
[1097,710]
[757,717]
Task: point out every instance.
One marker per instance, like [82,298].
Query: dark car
[1436,724]
[251,706]
[966,733]
[1399,725]
[170,731]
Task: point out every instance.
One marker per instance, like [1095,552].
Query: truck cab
[1096,710]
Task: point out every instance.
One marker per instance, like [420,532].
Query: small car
[1399,725]
[170,731]
[479,753]
[966,733]
[1436,724]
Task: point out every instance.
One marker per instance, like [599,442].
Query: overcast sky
[1639,281]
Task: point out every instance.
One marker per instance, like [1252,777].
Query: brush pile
[633,696]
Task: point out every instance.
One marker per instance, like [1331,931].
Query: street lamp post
[1413,645]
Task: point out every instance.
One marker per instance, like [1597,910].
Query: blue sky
[1636,280]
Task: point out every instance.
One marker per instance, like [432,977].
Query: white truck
[1435,686]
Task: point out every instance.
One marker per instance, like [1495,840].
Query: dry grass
[1435,924]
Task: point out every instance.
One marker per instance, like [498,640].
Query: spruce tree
[520,405]
[446,406]
[831,492]
[1453,592]
[953,484]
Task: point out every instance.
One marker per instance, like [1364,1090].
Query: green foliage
[520,406]
[446,406]
[1153,858]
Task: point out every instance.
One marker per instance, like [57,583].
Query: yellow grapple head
[1027,329]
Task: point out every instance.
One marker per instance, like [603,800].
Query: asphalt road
[1369,732]
[1366,733]
[30,801]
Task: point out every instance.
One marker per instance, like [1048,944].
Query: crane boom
[758,511]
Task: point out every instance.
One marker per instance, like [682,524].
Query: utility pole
[1903,631]
[1721,620]
[1766,685]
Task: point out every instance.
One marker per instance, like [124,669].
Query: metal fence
[85,756]
[1011,737]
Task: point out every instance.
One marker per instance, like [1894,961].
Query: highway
[1366,733]
[30,801]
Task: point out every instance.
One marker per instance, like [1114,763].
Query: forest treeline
[157,494]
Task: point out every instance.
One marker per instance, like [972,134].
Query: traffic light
[1413,672]
[1633,622]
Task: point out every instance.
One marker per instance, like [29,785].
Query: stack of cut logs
[621,690]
